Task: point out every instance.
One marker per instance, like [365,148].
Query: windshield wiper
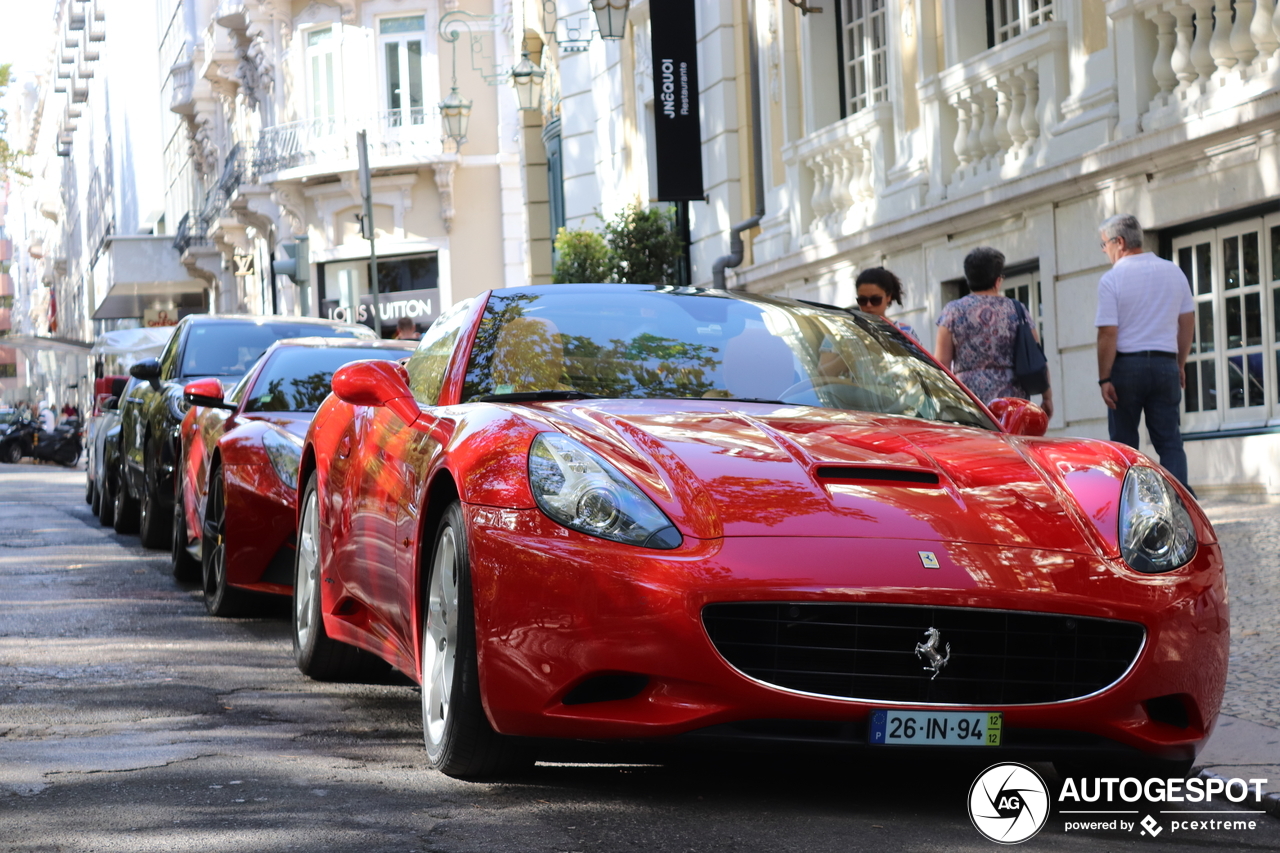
[741,400]
[535,396]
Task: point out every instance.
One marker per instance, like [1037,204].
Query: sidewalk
[1246,742]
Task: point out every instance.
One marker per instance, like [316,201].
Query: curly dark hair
[884,279]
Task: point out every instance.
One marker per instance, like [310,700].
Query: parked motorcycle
[26,438]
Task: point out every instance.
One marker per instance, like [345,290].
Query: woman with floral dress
[976,332]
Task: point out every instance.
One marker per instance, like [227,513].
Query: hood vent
[875,474]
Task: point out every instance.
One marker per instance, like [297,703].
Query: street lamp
[611,17]
[456,111]
[527,79]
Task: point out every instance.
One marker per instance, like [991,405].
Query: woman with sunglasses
[877,288]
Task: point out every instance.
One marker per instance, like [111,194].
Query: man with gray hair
[1145,323]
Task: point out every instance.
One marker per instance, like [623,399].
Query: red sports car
[643,512]
[237,484]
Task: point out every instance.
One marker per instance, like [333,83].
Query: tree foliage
[639,246]
[8,157]
[581,256]
[645,246]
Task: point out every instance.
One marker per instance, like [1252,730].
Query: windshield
[230,349]
[296,379]
[658,342]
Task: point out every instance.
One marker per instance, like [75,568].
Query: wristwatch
[1104,381]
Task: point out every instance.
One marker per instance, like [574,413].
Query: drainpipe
[736,247]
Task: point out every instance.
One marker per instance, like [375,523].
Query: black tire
[126,510]
[185,567]
[89,490]
[106,502]
[12,453]
[94,498]
[68,460]
[459,739]
[152,529]
[317,654]
[219,599]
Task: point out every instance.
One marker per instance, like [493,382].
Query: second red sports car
[643,512]
[237,484]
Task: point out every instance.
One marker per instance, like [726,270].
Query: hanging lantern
[611,17]
[527,78]
[456,111]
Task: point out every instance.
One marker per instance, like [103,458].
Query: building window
[1233,371]
[1012,18]
[401,41]
[8,370]
[1025,287]
[322,76]
[864,53]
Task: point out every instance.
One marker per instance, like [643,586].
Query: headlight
[1156,533]
[285,453]
[582,491]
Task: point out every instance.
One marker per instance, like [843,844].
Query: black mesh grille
[868,651]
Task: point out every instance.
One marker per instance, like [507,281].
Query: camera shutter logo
[1009,803]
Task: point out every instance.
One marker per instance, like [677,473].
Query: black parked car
[203,345]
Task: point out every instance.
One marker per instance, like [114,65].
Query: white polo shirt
[1144,295]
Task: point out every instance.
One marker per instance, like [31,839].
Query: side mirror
[148,369]
[379,384]
[1018,416]
[205,392]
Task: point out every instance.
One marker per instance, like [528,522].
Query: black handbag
[1030,367]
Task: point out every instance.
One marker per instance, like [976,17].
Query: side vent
[607,688]
[874,474]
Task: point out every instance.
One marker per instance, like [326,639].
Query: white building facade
[905,133]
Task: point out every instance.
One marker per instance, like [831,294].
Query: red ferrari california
[237,486]
[693,516]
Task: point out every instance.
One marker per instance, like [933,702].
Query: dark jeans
[1149,384]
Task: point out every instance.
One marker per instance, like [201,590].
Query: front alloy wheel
[220,599]
[460,741]
[318,655]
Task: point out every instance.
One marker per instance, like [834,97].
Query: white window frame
[1025,287]
[1254,401]
[1012,18]
[404,114]
[864,40]
[323,74]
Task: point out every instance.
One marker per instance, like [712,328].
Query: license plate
[950,728]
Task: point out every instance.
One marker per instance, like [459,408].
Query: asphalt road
[132,721]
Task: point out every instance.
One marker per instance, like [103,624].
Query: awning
[139,343]
[137,273]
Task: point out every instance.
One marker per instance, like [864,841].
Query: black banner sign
[678,131]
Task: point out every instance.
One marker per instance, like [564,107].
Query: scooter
[26,438]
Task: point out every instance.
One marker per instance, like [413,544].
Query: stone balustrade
[1210,53]
[1001,103]
[841,167]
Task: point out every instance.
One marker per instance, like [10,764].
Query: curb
[1269,803]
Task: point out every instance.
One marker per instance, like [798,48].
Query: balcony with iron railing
[318,146]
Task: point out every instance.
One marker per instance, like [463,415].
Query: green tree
[8,157]
[645,245]
[582,256]
[639,246]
